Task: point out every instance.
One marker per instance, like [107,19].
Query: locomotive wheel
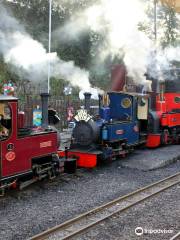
[165,137]
[175,137]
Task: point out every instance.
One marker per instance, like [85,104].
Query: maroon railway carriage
[29,153]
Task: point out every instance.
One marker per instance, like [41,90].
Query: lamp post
[45,95]
[155,21]
[50,27]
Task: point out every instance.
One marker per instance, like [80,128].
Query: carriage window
[177,99]
[5,120]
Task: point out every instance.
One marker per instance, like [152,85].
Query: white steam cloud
[30,56]
[118,21]
[160,64]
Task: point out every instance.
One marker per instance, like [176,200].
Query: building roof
[131,93]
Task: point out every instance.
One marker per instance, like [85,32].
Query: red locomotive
[26,153]
[164,119]
[164,112]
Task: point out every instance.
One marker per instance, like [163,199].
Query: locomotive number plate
[45,144]
[120,132]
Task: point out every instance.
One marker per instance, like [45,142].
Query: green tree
[170,24]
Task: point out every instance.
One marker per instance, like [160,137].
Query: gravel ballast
[158,218]
[46,204]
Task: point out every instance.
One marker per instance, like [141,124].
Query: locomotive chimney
[155,90]
[44,99]
[87,100]
[118,77]
[100,100]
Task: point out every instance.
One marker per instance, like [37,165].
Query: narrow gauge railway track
[93,217]
[176,237]
[64,177]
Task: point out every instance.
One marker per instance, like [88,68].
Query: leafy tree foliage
[34,15]
[167,25]
[170,24]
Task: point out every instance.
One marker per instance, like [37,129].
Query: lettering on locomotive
[45,144]
[120,132]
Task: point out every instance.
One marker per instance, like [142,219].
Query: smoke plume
[117,21]
[31,58]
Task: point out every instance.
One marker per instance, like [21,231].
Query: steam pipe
[100,100]
[155,91]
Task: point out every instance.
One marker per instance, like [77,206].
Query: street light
[45,95]
[155,21]
[49,60]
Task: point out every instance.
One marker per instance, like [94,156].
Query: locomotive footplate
[86,159]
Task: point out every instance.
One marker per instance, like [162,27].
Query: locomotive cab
[23,151]
[128,113]
[5,120]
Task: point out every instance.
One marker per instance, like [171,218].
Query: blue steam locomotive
[120,125]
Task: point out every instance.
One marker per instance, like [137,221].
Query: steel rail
[95,216]
[175,236]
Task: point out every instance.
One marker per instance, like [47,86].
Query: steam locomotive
[120,126]
[126,120]
[164,115]
[27,154]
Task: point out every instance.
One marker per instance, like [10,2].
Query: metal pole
[45,94]
[154,81]
[155,20]
[50,26]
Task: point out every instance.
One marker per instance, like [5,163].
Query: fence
[60,105]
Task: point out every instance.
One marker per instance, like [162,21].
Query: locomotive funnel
[44,99]
[118,77]
[87,100]
[155,90]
